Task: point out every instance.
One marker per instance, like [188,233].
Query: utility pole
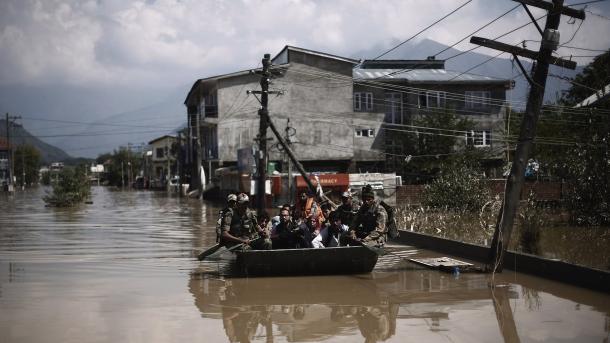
[168,175]
[122,176]
[199,153]
[289,162]
[9,151]
[179,165]
[515,181]
[263,112]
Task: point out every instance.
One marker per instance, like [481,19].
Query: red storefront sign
[327,180]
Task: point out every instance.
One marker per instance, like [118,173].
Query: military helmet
[242,198]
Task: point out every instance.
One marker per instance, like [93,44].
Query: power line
[585,3]
[421,31]
[451,95]
[479,29]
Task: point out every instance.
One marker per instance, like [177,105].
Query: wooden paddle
[208,252]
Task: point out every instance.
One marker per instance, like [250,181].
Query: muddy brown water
[123,270]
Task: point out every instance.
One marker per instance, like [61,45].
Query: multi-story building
[335,110]
[315,112]
[404,90]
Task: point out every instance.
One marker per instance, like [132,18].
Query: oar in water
[208,252]
[205,254]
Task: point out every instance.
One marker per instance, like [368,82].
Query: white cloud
[173,42]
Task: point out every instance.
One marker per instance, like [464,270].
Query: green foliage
[27,158]
[118,164]
[459,187]
[430,148]
[71,188]
[573,145]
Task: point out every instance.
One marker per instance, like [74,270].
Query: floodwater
[123,269]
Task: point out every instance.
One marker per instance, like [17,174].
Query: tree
[574,144]
[117,166]
[460,184]
[71,188]
[437,136]
[27,158]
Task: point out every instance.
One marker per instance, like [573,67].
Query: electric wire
[424,29]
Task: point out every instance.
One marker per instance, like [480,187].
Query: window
[365,133]
[477,99]
[209,106]
[479,138]
[432,99]
[160,152]
[393,108]
[363,101]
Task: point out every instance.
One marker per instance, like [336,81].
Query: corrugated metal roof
[419,75]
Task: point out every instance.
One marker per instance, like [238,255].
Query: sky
[119,56]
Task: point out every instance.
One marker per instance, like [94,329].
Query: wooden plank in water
[442,263]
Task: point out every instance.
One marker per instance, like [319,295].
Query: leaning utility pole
[515,181]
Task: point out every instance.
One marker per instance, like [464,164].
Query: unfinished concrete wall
[318,103]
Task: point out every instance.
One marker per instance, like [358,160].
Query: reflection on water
[123,270]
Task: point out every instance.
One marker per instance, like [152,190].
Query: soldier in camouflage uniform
[240,227]
[369,225]
[347,210]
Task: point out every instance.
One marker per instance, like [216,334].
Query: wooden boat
[324,261]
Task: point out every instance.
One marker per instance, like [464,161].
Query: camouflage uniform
[369,224]
[244,226]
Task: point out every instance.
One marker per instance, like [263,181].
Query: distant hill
[48,152]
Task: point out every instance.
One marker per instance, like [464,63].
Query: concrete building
[404,90]
[162,162]
[315,112]
[336,111]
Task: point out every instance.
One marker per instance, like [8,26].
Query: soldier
[231,202]
[347,210]
[240,227]
[369,225]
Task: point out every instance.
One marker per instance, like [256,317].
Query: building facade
[162,162]
[315,113]
[336,112]
[406,90]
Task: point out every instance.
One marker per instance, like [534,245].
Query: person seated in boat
[276,220]
[370,222]
[347,210]
[241,227]
[263,223]
[324,218]
[330,234]
[306,232]
[308,207]
[283,236]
